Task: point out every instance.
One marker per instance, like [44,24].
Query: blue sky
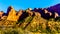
[24,4]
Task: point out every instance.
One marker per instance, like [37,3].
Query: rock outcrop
[1,13]
[56,15]
[12,14]
[46,13]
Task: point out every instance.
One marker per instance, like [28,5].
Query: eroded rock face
[56,15]
[4,17]
[1,13]
[29,12]
[50,14]
[37,14]
[12,14]
[9,9]
[45,11]
[19,13]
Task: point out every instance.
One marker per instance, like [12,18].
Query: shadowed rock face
[23,16]
[44,13]
[9,9]
[55,8]
[47,13]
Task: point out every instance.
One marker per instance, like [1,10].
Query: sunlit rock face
[12,14]
[4,17]
[29,8]
[1,14]
[56,15]
[29,11]
[45,11]
[37,14]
